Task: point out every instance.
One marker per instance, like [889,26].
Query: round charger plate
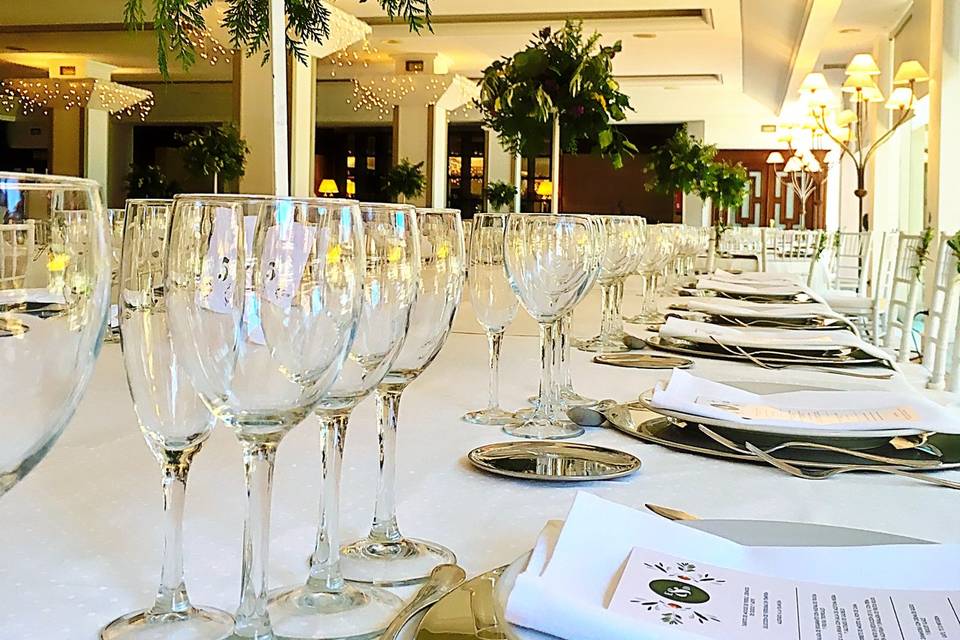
[831,436]
[688,348]
[553,461]
[656,429]
[475,610]
[643,361]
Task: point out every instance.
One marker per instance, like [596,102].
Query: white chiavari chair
[870,309]
[905,295]
[849,259]
[942,327]
[788,245]
[17,245]
[738,242]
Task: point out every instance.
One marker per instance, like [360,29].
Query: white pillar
[411,131]
[438,156]
[96,148]
[254,83]
[303,127]
[944,127]
[555,165]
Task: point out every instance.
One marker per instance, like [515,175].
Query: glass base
[357,612]
[598,344]
[545,430]
[192,624]
[392,564]
[494,417]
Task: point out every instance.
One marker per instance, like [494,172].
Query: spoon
[441,581]
[591,416]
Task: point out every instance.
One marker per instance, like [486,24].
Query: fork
[821,474]
[733,446]
[739,351]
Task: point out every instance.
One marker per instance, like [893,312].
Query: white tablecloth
[80,536]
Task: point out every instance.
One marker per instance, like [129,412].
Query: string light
[205,45]
[29,95]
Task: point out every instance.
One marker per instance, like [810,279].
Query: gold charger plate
[553,461]
[643,361]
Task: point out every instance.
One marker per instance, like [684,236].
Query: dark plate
[815,358]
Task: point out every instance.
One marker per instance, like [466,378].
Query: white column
[944,128]
[254,84]
[411,133]
[96,148]
[499,162]
[438,154]
[303,127]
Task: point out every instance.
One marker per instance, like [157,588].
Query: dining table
[80,536]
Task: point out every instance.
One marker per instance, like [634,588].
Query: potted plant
[215,151]
[404,181]
[148,181]
[500,194]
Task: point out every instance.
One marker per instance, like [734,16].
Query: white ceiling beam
[816,29]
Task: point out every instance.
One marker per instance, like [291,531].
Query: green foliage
[923,252]
[562,74]
[248,23]
[215,151]
[148,181]
[404,180]
[500,194]
[954,243]
[685,164]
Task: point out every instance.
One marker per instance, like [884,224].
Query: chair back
[788,245]
[849,261]
[905,295]
[17,247]
[941,326]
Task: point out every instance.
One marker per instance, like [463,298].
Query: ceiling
[691,59]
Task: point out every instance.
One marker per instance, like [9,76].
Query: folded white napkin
[759,278]
[574,569]
[749,287]
[750,309]
[766,338]
[847,410]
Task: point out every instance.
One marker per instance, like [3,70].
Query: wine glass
[551,262]
[655,255]
[327,606]
[173,418]
[494,303]
[263,295]
[52,315]
[620,255]
[385,557]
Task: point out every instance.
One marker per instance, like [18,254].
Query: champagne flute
[263,296]
[172,417]
[51,318]
[551,262]
[620,257]
[385,557]
[327,606]
[494,303]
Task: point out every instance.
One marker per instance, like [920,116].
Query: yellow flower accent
[58,262]
[395,254]
[443,251]
[334,253]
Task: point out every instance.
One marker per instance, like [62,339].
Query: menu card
[658,588]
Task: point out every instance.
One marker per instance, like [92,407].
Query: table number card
[713,602]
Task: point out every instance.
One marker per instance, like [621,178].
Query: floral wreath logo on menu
[681,587]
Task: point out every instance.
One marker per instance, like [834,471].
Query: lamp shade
[901,98]
[351,187]
[820,98]
[872,94]
[846,117]
[327,185]
[813,165]
[858,81]
[775,157]
[545,189]
[863,63]
[910,71]
[814,82]
[793,165]
[843,134]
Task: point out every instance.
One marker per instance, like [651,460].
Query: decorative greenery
[148,181]
[719,228]
[687,165]
[500,194]
[562,74]
[404,180]
[215,151]
[954,243]
[248,23]
[923,252]
[821,245]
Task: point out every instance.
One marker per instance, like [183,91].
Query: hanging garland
[248,23]
[559,73]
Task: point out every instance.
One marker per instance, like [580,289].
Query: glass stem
[549,402]
[252,620]
[494,340]
[611,324]
[172,594]
[385,528]
[606,308]
[325,575]
[562,337]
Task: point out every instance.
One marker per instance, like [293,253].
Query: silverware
[737,350]
[633,341]
[730,444]
[670,513]
[820,474]
[441,581]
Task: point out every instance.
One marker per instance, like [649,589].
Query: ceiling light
[645,36]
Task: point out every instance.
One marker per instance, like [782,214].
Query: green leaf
[605,138]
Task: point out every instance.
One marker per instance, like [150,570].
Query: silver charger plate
[552,461]
[643,361]
[764,388]
[475,610]
[689,348]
